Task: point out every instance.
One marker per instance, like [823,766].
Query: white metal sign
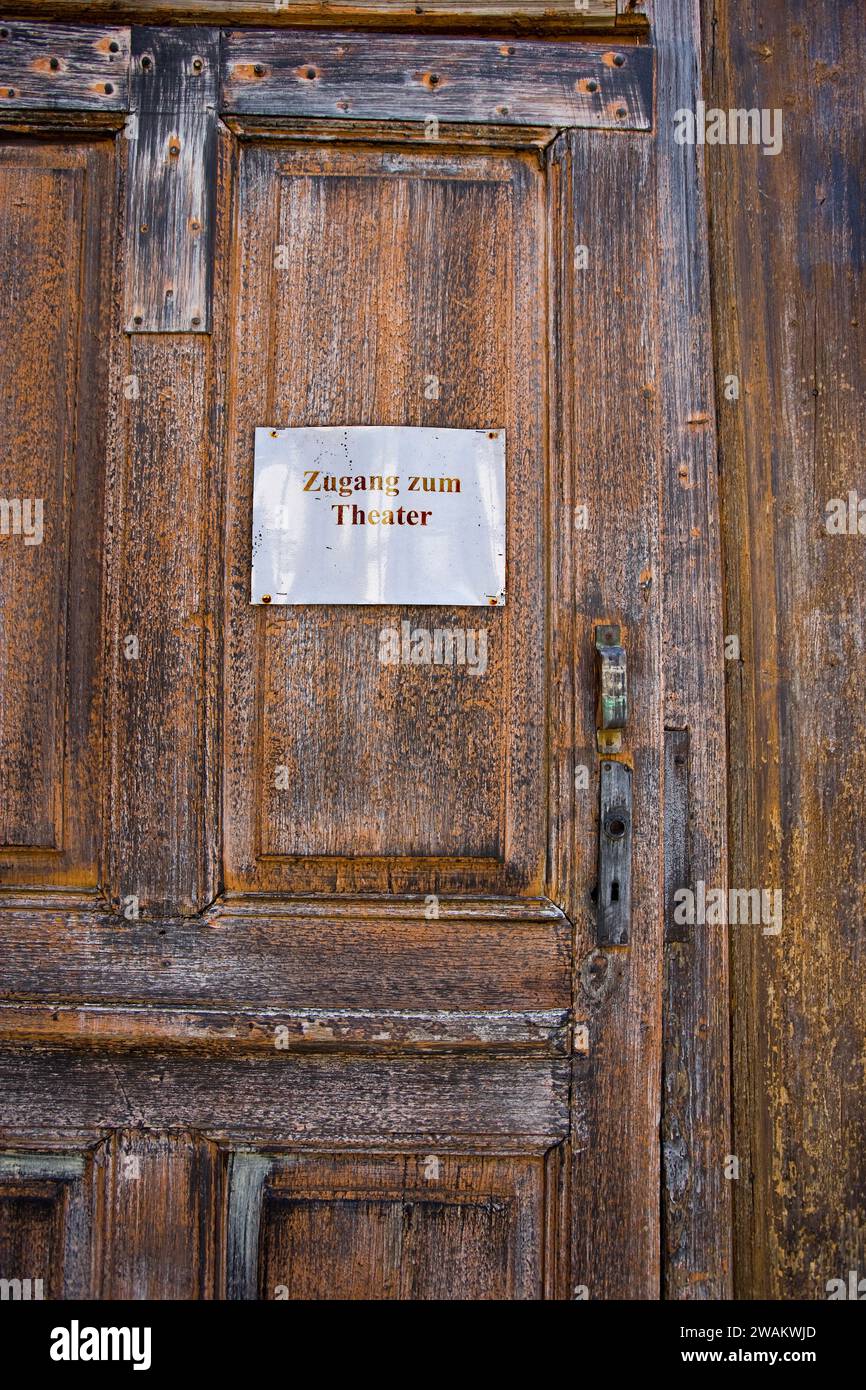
[379,514]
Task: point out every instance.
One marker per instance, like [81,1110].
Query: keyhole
[614,891]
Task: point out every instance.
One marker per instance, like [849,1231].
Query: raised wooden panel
[375,1226]
[399,267]
[55,265]
[44,1245]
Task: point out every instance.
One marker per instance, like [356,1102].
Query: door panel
[388,287]
[56,230]
[408,1227]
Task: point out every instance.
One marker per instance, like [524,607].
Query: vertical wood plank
[158,1219]
[166,500]
[607,566]
[172,135]
[696,1122]
[788,257]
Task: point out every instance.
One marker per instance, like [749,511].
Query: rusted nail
[618,60]
[592,85]
[54,64]
[311,74]
[108,89]
[197,64]
[144,228]
[258,70]
[114,46]
[621,112]
[147,61]
[174,146]
[196,320]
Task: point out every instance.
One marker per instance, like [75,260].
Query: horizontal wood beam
[61,67]
[345,76]
[526,16]
[285,1030]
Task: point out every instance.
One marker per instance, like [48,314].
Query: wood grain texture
[56,231]
[46,1220]
[287,961]
[158,1203]
[398,266]
[511,1104]
[408,1227]
[606,458]
[320,1030]
[351,76]
[63,67]
[696,1107]
[788,286]
[164,558]
[531,16]
[171,183]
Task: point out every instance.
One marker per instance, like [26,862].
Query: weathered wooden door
[305,995]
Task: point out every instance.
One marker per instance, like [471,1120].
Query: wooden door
[305,994]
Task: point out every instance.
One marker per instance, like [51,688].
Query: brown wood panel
[401,265]
[309,1030]
[31,1237]
[349,76]
[370,955]
[533,16]
[56,235]
[158,1217]
[788,297]
[165,498]
[171,183]
[607,566]
[508,1103]
[696,1068]
[45,1224]
[410,1227]
[63,67]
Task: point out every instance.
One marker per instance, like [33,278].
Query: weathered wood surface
[352,76]
[505,16]
[399,269]
[164,486]
[56,236]
[696,1106]
[171,180]
[517,1104]
[408,1227]
[789,292]
[320,1030]
[62,66]
[287,961]
[46,1222]
[156,1217]
[606,567]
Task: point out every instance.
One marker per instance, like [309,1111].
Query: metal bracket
[612,687]
[614,855]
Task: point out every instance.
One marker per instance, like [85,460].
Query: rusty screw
[174,147]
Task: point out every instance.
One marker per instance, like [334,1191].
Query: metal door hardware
[612,687]
[614,855]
